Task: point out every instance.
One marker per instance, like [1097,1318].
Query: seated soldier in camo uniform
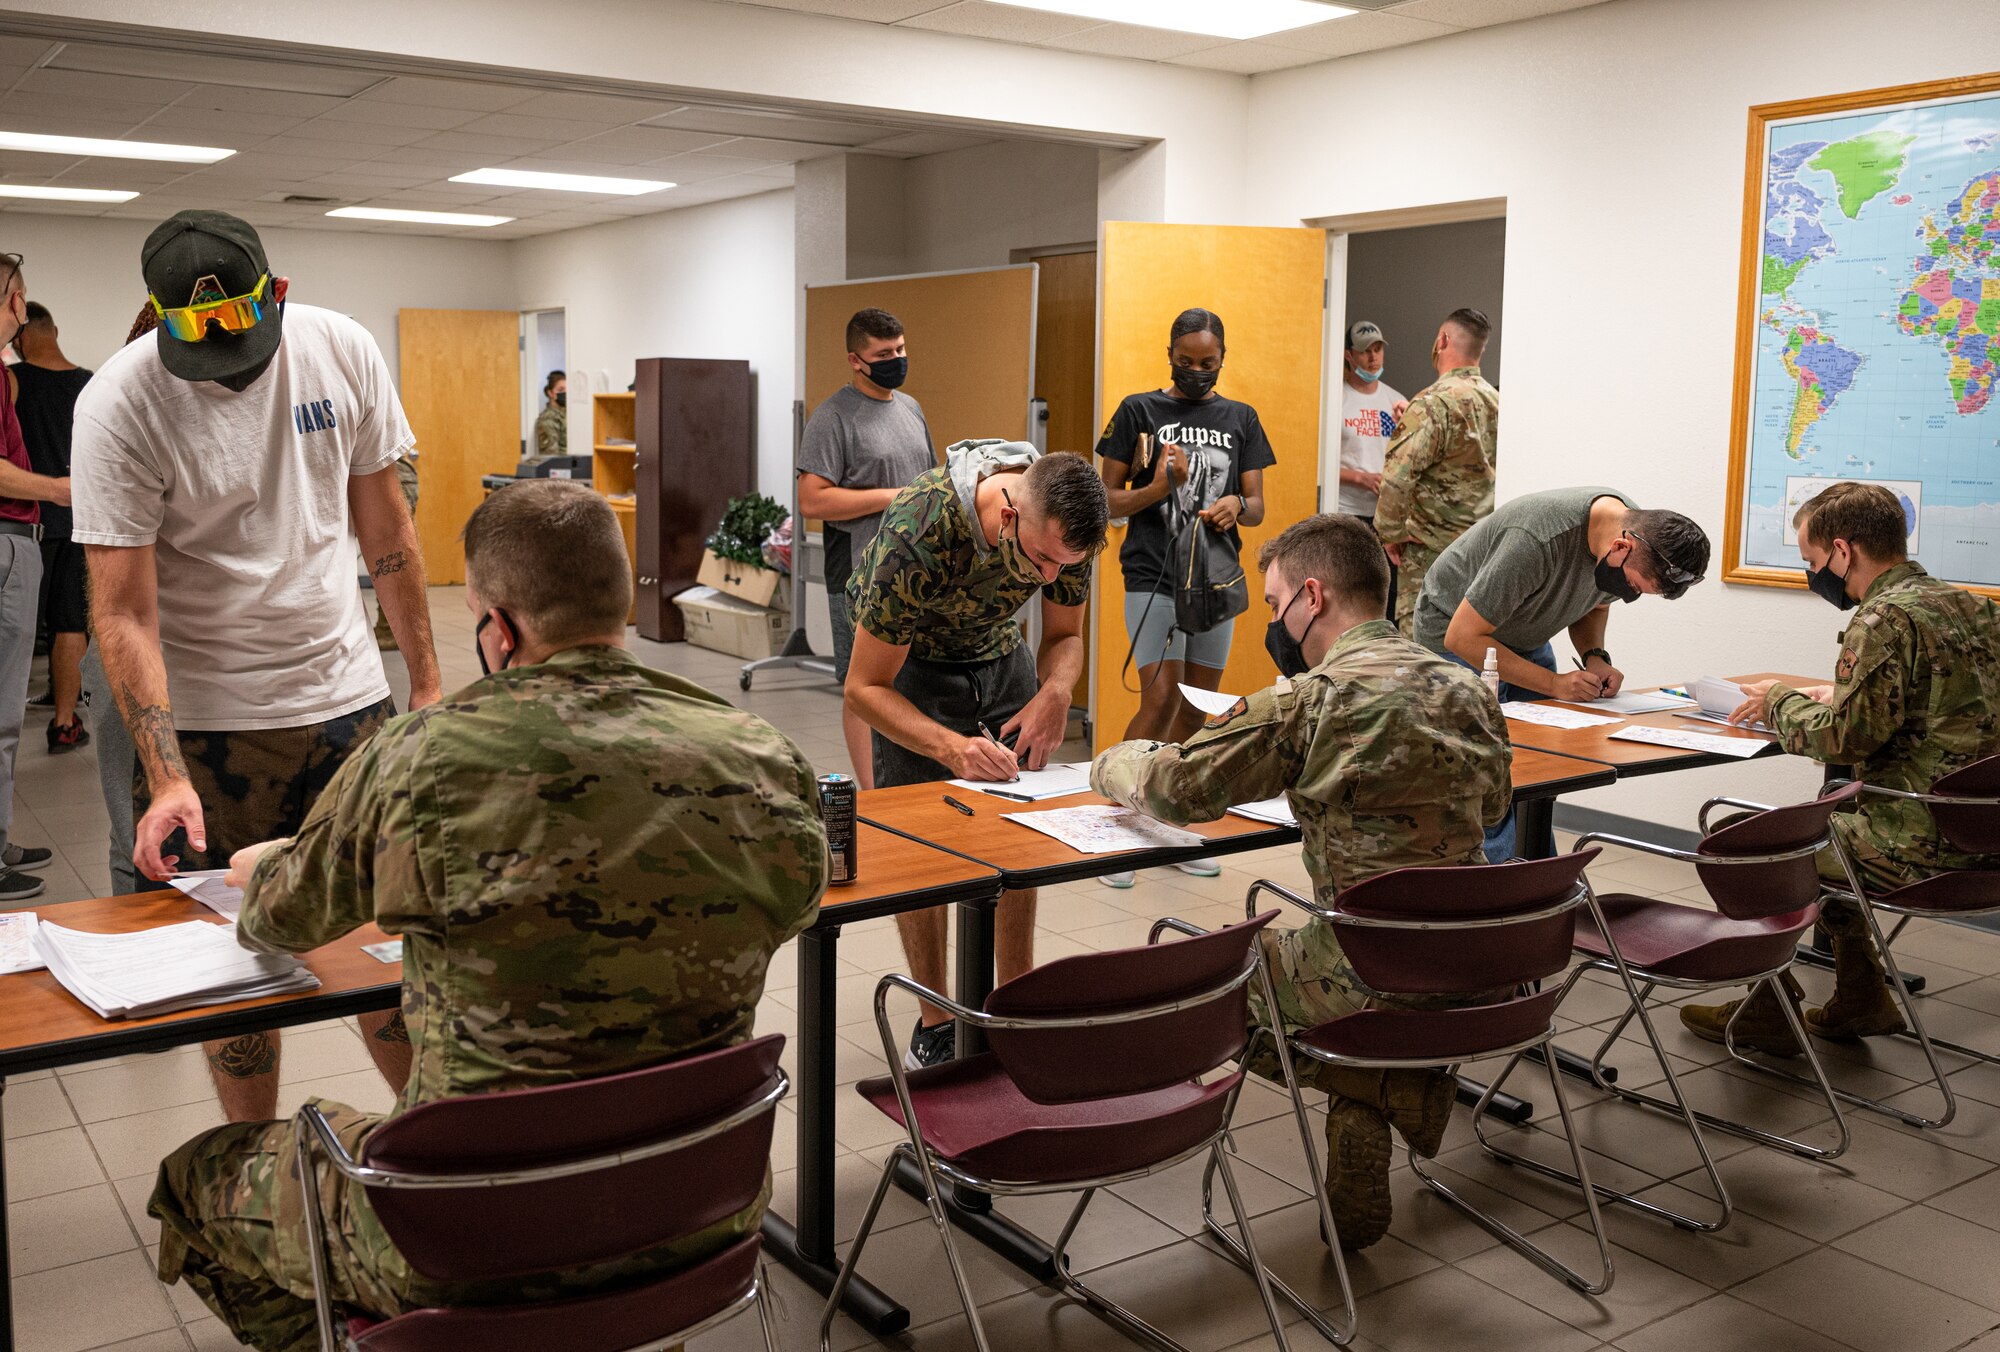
[590,864]
[1391,757]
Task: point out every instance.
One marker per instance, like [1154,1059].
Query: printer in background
[542,467]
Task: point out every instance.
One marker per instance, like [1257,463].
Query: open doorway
[1407,280]
[544,349]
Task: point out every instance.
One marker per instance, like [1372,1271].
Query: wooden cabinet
[694,423]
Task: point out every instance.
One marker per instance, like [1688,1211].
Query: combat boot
[1762,1028]
[1417,1103]
[1862,1005]
[1357,1172]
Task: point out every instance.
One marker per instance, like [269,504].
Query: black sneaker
[18,886]
[25,858]
[45,700]
[930,1046]
[67,736]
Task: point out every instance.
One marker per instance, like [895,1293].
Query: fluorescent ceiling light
[111,150]
[1213,18]
[529,178]
[418,217]
[66,194]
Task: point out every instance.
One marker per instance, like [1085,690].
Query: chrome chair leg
[764,1308]
[854,1252]
[1263,1278]
[316,1243]
[1077,1289]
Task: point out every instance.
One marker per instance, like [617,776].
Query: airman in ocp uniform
[590,864]
[1391,757]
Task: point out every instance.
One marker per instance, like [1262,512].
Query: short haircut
[871,325]
[1474,327]
[549,552]
[38,313]
[1066,489]
[10,273]
[1676,539]
[1197,321]
[550,383]
[1341,551]
[1867,516]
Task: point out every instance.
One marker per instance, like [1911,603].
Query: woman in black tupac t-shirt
[1206,450]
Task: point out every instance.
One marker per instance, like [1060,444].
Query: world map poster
[1871,347]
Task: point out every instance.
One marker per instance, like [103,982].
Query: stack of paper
[134,976]
[210,890]
[1276,811]
[1718,699]
[1057,781]
[1641,702]
[17,942]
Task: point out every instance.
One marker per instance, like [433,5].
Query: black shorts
[960,695]
[65,608]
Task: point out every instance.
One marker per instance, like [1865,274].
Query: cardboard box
[745,581]
[725,624]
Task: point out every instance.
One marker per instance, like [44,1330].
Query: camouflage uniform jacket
[1916,695]
[1389,755]
[552,430]
[590,863]
[931,583]
[1437,475]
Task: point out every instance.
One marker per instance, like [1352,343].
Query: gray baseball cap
[1361,334]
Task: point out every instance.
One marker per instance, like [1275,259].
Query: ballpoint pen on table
[954,803]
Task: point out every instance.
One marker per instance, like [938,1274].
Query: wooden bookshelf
[613,468]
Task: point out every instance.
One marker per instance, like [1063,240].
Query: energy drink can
[843,836]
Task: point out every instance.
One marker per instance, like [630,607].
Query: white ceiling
[368,139]
[372,138]
[1385,23]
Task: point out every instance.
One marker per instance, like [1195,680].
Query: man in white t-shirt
[224,469]
[1369,410]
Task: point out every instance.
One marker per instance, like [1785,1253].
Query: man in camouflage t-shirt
[938,658]
[1915,696]
[1391,757]
[1437,473]
[590,864]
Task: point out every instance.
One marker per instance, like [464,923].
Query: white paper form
[17,942]
[209,889]
[1718,699]
[158,970]
[1274,811]
[1706,742]
[1105,829]
[1056,781]
[1641,702]
[1210,702]
[1550,716]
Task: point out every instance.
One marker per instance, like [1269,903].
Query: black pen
[954,803]
[988,733]
[1586,670]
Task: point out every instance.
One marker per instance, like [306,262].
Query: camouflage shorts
[257,785]
[232,1225]
[1417,561]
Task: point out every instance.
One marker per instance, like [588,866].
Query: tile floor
[1896,1248]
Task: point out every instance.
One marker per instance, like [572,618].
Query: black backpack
[1209,585]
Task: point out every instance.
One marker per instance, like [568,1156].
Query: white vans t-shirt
[244,497]
[1365,428]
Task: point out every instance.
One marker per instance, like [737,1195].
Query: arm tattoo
[394,1031]
[392,562]
[152,727]
[246,1057]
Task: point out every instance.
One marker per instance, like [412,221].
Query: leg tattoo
[394,1031]
[246,1057]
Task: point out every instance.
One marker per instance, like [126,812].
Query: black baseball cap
[209,255]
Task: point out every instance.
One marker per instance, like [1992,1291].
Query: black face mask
[479,629]
[890,372]
[1822,583]
[1611,580]
[243,380]
[1284,649]
[1194,383]
[562,400]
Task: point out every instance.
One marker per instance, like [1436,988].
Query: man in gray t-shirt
[861,447]
[1542,564]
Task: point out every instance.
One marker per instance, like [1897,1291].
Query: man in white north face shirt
[223,469]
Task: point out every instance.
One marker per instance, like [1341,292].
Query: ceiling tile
[379,134]
[554,129]
[1128,39]
[607,108]
[259,101]
[559,162]
[23,51]
[221,127]
[1359,33]
[116,88]
[1007,23]
[400,114]
[698,168]
[246,72]
[97,112]
[736,122]
[1248,58]
[429,93]
[875,11]
[912,143]
[626,158]
[484,145]
[653,141]
[1484,13]
[756,148]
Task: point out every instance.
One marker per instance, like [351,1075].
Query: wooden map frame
[1750,291]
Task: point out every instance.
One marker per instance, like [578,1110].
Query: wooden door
[460,386]
[1066,373]
[1269,286]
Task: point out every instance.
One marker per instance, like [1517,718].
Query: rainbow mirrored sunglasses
[189,323]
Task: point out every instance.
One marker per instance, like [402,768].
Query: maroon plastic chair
[1093,1077]
[1763,877]
[496,1186]
[1965,804]
[1485,934]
